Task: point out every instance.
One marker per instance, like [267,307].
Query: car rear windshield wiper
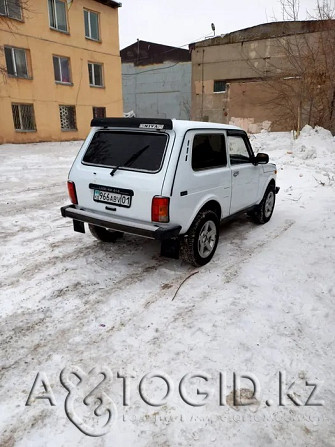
[131,159]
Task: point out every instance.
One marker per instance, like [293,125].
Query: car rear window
[128,150]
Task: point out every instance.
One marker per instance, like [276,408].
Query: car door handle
[235,174]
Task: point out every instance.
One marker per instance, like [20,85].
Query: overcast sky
[180,22]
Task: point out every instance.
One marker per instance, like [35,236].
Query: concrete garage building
[61,66]
[156,80]
[271,76]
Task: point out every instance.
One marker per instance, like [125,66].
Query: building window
[62,69]
[23,117]
[220,86]
[16,62]
[208,151]
[99,112]
[11,9]
[67,118]
[57,15]
[91,20]
[95,75]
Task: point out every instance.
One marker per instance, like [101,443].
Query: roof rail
[139,123]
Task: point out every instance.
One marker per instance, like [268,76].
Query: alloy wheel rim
[207,239]
[269,203]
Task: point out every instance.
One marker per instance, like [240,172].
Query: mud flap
[170,248]
[78,226]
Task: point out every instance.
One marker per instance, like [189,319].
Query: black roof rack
[139,123]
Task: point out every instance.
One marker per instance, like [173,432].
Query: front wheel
[104,235]
[199,245]
[264,210]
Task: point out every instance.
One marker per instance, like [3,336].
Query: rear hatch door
[118,171]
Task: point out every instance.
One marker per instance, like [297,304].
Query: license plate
[112,198]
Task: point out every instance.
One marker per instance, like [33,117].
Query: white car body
[228,188]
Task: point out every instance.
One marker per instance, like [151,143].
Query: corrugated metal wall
[160,90]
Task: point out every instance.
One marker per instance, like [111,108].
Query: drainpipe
[202,84]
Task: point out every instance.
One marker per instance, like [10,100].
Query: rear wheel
[199,245]
[264,210]
[103,234]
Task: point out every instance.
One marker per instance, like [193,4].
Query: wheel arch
[210,204]
[271,183]
[264,186]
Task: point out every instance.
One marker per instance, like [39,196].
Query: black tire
[199,245]
[264,210]
[104,235]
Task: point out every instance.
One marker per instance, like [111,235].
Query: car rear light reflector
[160,209]
[72,192]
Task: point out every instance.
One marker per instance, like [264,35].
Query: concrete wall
[246,66]
[159,90]
[34,33]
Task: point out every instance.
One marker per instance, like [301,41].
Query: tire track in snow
[41,347]
[10,340]
[232,269]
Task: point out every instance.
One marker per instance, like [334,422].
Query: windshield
[115,149]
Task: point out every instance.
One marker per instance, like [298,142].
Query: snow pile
[315,143]
[313,149]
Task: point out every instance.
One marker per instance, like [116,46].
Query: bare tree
[309,87]
[300,80]
[324,10]
[9,10]
[290,9]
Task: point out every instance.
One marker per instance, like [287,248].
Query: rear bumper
[140,228]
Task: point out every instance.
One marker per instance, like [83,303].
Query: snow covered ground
[264,305]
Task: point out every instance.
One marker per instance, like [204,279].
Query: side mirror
[261,159]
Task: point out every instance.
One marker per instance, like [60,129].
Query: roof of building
[268,31]
[148,53]
[110,3]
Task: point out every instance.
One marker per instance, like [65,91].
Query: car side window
[238,152]
[208,151]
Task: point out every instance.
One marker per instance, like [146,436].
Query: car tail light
[160,209]
[72,192]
